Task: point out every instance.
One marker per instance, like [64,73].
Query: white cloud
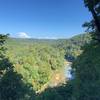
[23,35]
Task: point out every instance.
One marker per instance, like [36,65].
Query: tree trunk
[97,21]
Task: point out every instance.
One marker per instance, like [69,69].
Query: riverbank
[58,77]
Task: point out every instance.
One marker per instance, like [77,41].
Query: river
[67,70]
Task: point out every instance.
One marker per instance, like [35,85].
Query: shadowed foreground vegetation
[26,66]
[85,85]
[29,64]
[12,87]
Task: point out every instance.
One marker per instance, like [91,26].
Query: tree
[2,51]
[87,74]
[94,8]
[12,87]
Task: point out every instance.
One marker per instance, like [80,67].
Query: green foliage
[87,74]
[91,4]
[63,92]
[35,61]
[86,82]
[12,87]
[72,47]
[31,65]
[94,25]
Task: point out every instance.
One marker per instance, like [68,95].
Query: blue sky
[42,18]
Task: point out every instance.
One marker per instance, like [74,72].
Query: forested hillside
[73,47]
[30,64]
[49,67]
[36,60]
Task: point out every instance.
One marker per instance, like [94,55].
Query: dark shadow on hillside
[12,86]
[63,92]
[87,73]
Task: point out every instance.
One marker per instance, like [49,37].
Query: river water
[67,71]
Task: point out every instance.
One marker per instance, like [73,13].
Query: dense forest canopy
[36,59]
[27,66]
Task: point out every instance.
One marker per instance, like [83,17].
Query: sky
[42,18]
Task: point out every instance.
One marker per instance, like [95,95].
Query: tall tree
[94,8]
